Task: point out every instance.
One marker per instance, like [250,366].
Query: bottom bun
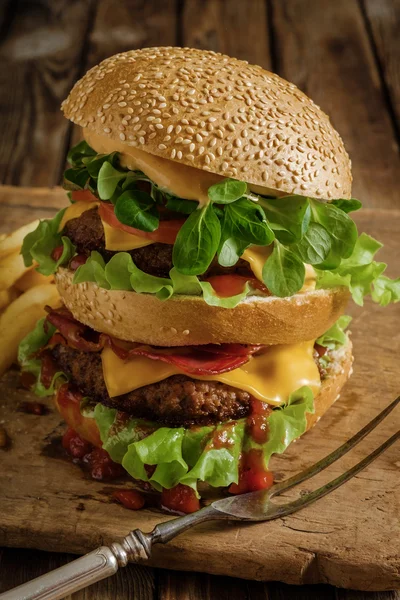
[338,373]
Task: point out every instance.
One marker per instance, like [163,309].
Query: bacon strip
[210,359]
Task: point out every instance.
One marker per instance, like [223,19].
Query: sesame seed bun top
[217,114]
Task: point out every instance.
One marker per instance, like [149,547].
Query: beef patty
[176,401]
[86,233]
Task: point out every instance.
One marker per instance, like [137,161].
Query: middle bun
[188,320]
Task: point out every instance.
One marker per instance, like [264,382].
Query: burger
[204,265]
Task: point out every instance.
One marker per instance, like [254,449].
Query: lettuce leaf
[189,455]
[39,245]
[121,273]
[362,275]
[286,423]
[335,337]
[28,347]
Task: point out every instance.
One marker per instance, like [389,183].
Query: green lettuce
[336,336]
[362,275]
[29,361]
[187,456]
[39,245]
[121,273]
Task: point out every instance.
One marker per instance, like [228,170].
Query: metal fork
[256,506]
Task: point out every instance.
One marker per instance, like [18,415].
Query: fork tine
[287,509]
[286,484]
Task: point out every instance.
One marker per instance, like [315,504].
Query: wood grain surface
[345,54]
[350,539]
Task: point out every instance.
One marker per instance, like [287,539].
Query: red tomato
[231,285]
[83,196]
[57,253]
[77,261]
[181,498]
[129,498]
[165,234]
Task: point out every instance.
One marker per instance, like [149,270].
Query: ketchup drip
[257,421]
[253,475]
[180,498]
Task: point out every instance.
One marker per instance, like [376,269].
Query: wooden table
[344,54]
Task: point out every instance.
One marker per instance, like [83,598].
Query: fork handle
[69,578]
[106,560]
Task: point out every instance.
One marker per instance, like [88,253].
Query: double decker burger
[204,265]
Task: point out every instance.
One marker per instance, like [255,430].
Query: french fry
[7,296]
[20,318]
[11,269]
[13,241]
[32,278]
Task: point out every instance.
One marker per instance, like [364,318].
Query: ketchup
[180,498]
[76,446]
[221,438]
[77,261]
[253,476]
[100,465]
[96,460]
[257,421]
[129,498]
[57,253]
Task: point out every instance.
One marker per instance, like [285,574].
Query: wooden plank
[122,26]
[351,538]
[40,61]
[323,47]
[239,29]
[33,203]
[383,18]
[19,566]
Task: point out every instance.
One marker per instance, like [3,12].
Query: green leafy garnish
[347,206]
[335,337]
[137,209]
[197,242]
[288,217]
[243,223]
[31,363]
[39,245]
[362,275]
[227,191]
[182,206]
[314,246]
[283,272]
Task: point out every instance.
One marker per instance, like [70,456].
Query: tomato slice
[165,234]
[232,285]
[83,196]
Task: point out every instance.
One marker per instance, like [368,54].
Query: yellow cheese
[256,257]
[119,240]
[270,376]
[75,210]
[116,239]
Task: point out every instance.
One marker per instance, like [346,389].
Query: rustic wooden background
[345,54]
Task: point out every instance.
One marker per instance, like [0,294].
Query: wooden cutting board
[350,539]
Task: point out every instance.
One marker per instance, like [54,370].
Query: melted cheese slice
[271,376]
[115,239]
[256,257]
[74,211]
